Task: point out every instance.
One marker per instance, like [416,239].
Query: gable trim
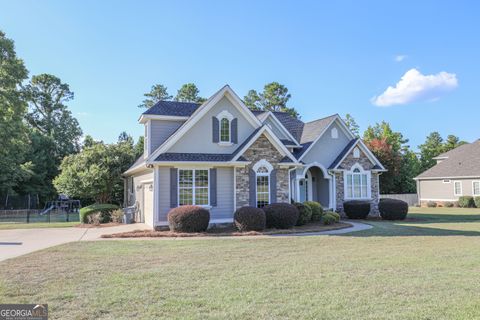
[227,92]
[343,126]
[146,117]
[272,138]
[364,148]
[275,119]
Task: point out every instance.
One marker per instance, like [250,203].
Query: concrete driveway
[17,242]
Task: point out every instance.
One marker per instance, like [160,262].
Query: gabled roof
[463,161]
[313,129]
[172,108]
[140,162]
[349,147]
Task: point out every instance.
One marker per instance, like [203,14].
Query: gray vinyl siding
[437,190]
[138,192]
[161,131]
[326,150]
[164,194]
[225,194]
[278,132]
[199,138]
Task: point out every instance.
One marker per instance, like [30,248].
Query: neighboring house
[223,156]
[456,174]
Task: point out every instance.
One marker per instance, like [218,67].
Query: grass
[426,268]
[9,226]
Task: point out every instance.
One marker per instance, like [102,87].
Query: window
[457,188]
[263,187]
[476,188]
[193,187]
[224,130]
[357,185]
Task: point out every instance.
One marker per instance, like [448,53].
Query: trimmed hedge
[105,210]
[356,209]
[477,202]
[317,210]
[393,209]
[188,219]
[449,204]
[281,215]
[249,219]
[466,202]
[304,213]
[431,204]
[328,218]
[334,214]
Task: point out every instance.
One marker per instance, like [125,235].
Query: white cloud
[414,86]
[82,114]
[400,57]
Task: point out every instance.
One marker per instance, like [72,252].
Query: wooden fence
[410,198]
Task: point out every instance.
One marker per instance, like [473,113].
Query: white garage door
[148,204]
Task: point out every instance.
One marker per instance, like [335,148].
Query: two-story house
[223,156]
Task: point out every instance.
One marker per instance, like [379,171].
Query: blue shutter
[252,188]
[215,130]
[173,188]
[273,186]
[213,187]
[234,130]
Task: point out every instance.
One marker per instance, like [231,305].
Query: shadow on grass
[442,218]
[388,229]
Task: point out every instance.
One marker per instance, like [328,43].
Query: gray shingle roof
[173,108]
[213,157]
[137,162]
[313,129]
[463,161]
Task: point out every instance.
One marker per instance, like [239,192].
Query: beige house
[456,174]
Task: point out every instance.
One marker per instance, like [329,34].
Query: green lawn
[428,268]
[7,226]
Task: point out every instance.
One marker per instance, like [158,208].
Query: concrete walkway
[356,226]
[17,242]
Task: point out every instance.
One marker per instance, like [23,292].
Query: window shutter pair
[174,187]
[253,187]
[216,130]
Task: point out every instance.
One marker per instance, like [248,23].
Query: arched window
[357,183]
[262,171]
[224,130]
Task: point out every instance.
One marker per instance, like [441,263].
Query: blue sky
[334,57]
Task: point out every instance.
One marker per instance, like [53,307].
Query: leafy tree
[157,93]
[13,133]
[391,149]
[274,97]
[352,125]
[49,115]
[432,147]
[452,142]
[189,93]
[88,142]
[139,147]
[95,172]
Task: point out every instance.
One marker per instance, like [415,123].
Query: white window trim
[455,189]
[258,165]
[473,187]
[207,206]
[345,185]
[225,115]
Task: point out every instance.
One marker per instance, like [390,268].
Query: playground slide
[47,210]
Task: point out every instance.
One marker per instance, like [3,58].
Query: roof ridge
[330,116]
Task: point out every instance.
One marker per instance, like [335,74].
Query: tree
[49,115]
[452,142]
[157,93]
[352,125]
[13,133]
[392,151]
[95,172]
[139,147]
[274,97]
[189,93]
[432,147]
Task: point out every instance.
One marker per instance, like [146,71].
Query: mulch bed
[229,231]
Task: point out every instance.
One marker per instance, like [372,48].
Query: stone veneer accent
[374,183]
[260,149]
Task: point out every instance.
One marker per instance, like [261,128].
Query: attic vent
[334,133]
[356,153]
[446,180]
